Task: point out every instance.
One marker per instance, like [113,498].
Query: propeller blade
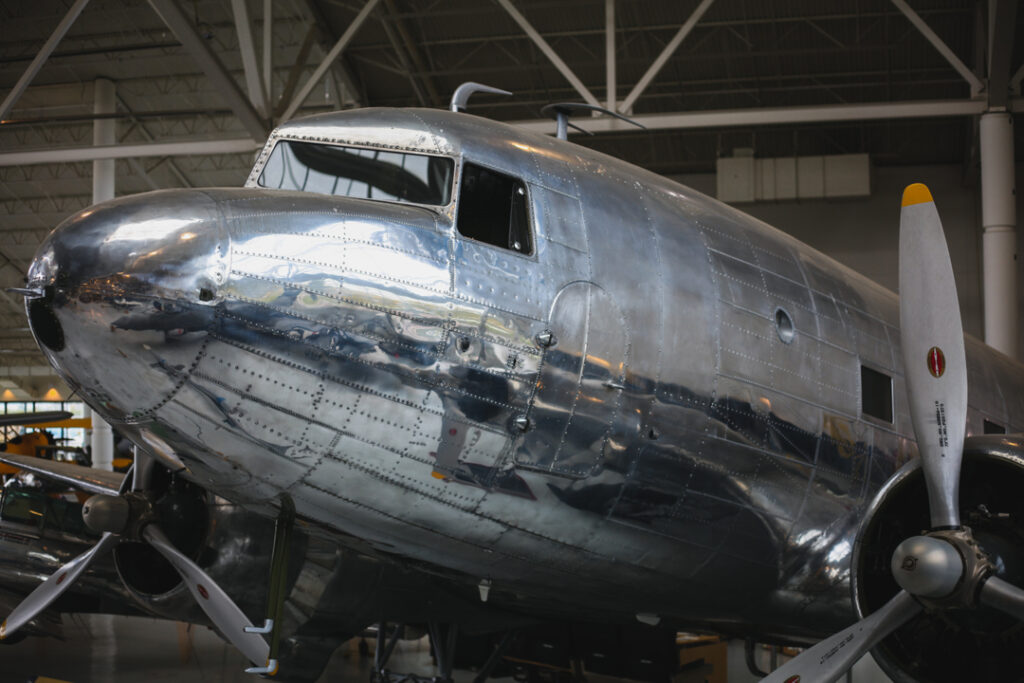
[934,361]
[223,612]
[1003,596]
[51,589]
[834,656]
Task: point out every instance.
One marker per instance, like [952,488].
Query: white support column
[103,133]
[609,55]
[999,219]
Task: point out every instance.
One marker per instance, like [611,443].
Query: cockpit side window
[357,172]
[492,209]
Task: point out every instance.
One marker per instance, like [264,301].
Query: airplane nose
[127,293]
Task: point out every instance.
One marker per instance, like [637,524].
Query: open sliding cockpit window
[357,172]
[492,209]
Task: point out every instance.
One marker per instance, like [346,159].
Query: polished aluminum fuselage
[670,452]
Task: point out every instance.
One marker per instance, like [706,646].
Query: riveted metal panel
[740,283]
[580,385]
[560,217]
[745,345]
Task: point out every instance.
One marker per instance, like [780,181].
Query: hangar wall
[863,233]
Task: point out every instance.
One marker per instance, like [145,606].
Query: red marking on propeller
[936,362]
[202,591]
[793,679]
[60,579]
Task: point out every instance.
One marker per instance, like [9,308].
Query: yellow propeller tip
[917,193]
[3,630]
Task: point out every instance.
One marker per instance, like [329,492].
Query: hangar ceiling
[181,75]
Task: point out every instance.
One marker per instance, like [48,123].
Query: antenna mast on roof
[560,112]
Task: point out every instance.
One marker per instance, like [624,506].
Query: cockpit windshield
[357,172]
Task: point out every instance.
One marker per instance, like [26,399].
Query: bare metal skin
[618,421]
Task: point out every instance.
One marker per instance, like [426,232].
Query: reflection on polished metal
[610,426]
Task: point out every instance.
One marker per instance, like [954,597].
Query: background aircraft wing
[85,478]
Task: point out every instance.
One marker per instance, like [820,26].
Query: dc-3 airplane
[509,380]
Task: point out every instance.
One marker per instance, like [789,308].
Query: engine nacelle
[231,545]
[976,645]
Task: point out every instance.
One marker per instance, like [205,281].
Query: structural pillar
[999,220]
[103,133]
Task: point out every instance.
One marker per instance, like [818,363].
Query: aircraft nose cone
[129,289]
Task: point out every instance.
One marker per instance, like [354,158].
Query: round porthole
[784,326]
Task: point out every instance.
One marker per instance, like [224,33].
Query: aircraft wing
[85,478]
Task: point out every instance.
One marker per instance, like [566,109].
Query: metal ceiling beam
[727,118]
[355,90]
[295,73]
[943,49]
[434,99]
[152,149]
[223,83]
[329,59]
[1017,78]
[41,57]
[247,48]
[538,39]
[1002,22]
[141,127]
[669,50]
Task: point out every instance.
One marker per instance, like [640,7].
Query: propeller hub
[926,566]
[103,513]
[125,515]
[944,569]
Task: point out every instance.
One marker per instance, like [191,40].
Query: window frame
[454,184]
[527,198]
[891,422]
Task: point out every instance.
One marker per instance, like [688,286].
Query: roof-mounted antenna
[460,99]
[560,112]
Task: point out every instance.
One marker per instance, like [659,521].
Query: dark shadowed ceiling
[741,55]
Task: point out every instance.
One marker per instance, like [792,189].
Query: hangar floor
[115,649]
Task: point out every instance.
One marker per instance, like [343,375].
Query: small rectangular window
[876,394]
[492,209]
[993,428]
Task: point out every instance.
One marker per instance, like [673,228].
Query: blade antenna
[460,98]
[560,111]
